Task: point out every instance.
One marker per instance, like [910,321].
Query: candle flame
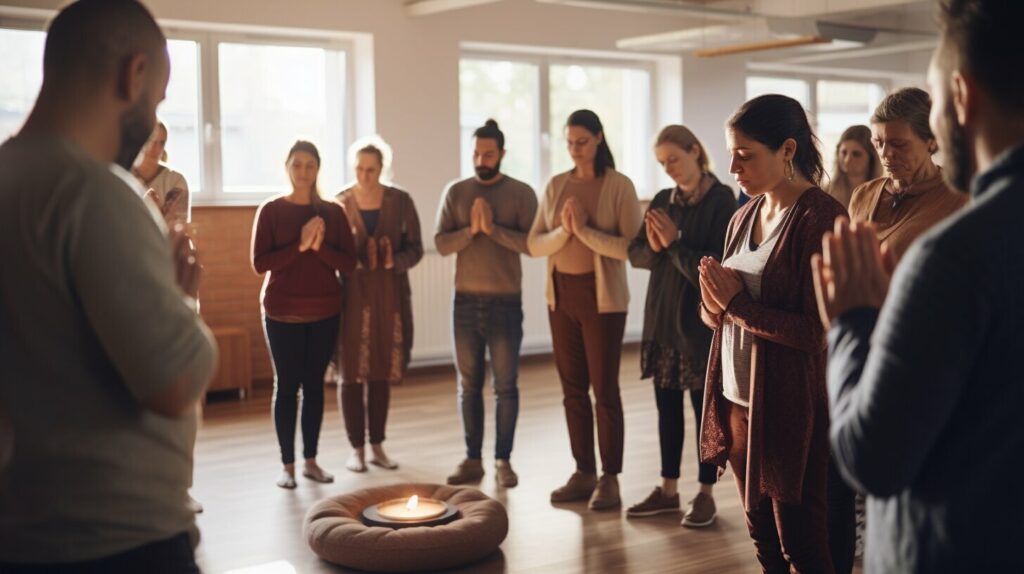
[414,501]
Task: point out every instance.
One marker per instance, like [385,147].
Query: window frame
[544,61]
[208,37]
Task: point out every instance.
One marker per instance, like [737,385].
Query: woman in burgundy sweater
[301,242]
[765,404]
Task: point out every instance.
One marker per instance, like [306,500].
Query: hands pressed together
[312,234]
[481,217]
[188,270]
[853,270]
[379,253]
[661,230]
[718,285]
[574,217]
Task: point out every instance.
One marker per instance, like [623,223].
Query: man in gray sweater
[485,220]
[103,353]
[926,392]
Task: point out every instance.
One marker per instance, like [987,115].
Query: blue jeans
[495,324]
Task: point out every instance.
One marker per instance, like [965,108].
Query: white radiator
[432,290]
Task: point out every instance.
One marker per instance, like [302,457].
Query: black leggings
[300,352]
[671,432]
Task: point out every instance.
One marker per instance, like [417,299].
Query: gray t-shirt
[92,325]
[738,343]
[487,264]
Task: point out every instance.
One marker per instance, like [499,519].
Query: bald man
[103,353]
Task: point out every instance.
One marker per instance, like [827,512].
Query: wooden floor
[252,526]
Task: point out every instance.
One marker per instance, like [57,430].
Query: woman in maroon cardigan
[301,242]
[765,406]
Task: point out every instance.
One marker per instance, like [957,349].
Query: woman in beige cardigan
[584,225]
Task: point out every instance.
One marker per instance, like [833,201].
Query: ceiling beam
[760,46]
[874,51]
[427,7]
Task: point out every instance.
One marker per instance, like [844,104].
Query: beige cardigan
[607,234]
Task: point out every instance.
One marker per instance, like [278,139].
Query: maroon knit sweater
[788,399]
[301,284]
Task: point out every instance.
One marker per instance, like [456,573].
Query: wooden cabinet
[235,368]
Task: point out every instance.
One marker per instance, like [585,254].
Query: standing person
[683,224]
[912,197]
[166,188]
[168,191]
[584,226]
[485,220]
[903,205]
[376,333]
[103,353]
[765,405]
[855,162]
[923,372]
[302,243]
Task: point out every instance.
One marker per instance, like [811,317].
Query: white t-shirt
[92,325]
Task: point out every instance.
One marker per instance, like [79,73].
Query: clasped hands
[853,270]
[661,230]
[573,216]
[481,217]
[379,253]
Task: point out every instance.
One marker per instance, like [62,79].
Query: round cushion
[336,533]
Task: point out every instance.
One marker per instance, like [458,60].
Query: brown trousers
[588,347]
[788,538]
[350,395]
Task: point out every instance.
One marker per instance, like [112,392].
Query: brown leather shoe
[504,474]
[469,470]
[579,487]
[606,495]
[655,503]
[701,513]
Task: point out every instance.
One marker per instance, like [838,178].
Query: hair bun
[490,123]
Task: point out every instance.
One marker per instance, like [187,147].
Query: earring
[790,171]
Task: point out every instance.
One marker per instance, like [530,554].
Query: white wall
[416,93]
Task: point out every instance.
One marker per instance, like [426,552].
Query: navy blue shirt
[927,394]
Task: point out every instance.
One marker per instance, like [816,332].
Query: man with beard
[485,220]
[925,388]
[104,356]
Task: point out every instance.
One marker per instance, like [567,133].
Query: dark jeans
[672,432]
[588,347]
[495,325]
[365,410]
[171,556]
[300,352]
[842,520]
[787,537]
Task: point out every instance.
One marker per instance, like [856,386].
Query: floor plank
[251,525]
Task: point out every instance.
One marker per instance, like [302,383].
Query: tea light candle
[413,509]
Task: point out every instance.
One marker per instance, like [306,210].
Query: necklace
[897,199]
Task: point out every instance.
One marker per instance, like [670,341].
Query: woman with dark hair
[855,162]
[912,196]
[584,225]
[376,332]
[765,403]
[682,224]
[302,243]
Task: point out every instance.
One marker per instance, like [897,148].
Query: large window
[235,104]
[832,105]
[21,75]
[532,97]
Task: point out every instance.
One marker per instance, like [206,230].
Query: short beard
[137,124]
[488,173]
[957,168]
